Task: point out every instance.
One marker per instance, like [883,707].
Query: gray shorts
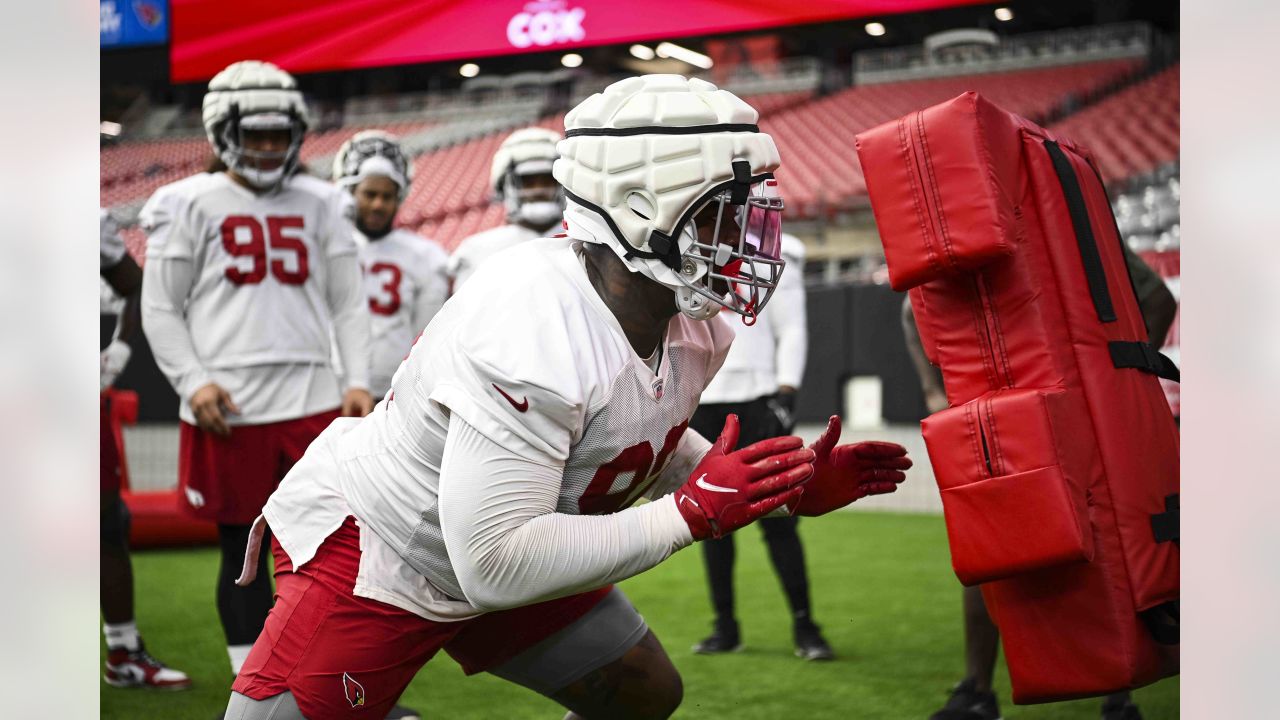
[598,638]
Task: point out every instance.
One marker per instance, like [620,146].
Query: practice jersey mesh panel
[427,554]
[631,416]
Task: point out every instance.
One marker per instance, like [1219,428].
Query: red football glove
[731,488]
[849,472]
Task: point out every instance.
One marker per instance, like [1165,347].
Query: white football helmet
[254,95]
[643,158]
[371,153]
[525,152]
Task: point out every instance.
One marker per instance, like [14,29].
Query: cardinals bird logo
[148,14]
[354,690]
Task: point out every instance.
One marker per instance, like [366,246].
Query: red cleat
[129,669]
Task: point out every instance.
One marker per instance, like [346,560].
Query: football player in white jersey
[520,177]
[404,273]
[128,662]
[758,383]
[488,504]
[247,271]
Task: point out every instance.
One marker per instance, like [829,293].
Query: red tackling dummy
[1058,458]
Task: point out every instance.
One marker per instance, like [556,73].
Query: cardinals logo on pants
[354,690]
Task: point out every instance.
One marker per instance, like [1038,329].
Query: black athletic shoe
[1120,710]
[725,639]
[966,703]
[810,645]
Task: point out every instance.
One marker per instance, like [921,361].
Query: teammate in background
[758,383]
[973,698]
[521,178]
[487,504]
[247,271]
[128,662]
[404,273]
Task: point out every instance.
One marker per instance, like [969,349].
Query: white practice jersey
[531,357]
[773,351]
[405,281]
[111,248]
[476,249]
[259,264]
[257,300]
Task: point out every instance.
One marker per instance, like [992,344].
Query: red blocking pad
[1058,457]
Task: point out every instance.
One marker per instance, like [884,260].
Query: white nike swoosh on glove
[702,483]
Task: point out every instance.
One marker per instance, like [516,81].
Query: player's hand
[357,402]
[849,472]
[210,405]
[111,363]
[731,488]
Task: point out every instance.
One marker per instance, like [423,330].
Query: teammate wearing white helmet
[404,273]
[247,271]
[520,178]
[488,504]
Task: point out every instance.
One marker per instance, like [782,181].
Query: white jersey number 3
[243,237]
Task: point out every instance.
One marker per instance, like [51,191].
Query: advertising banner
[318,35]
[127,23]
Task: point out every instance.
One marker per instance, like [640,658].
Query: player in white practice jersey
[520,178]
[488,503]
[247,271]
[758,383]
[404,273]
[128,662]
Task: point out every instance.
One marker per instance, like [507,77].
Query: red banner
[316,35]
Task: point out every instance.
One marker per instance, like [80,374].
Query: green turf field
[883,593]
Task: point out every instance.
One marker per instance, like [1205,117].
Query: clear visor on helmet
[742,244]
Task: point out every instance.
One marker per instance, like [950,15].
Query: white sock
[121,636]
[238,654]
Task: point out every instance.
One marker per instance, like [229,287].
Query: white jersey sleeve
[111,248]
[346,300]
[508,545]
[788,317]
[477,249]
[432,286]
[505,383]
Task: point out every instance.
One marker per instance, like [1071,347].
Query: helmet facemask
[731,253]
[538,207]
[246,162]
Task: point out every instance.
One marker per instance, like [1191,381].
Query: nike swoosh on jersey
[519,406]
[702,483]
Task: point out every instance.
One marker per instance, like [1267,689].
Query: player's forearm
[555,555]
[130,318]
[350,319]
[508,545]
[165,287]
